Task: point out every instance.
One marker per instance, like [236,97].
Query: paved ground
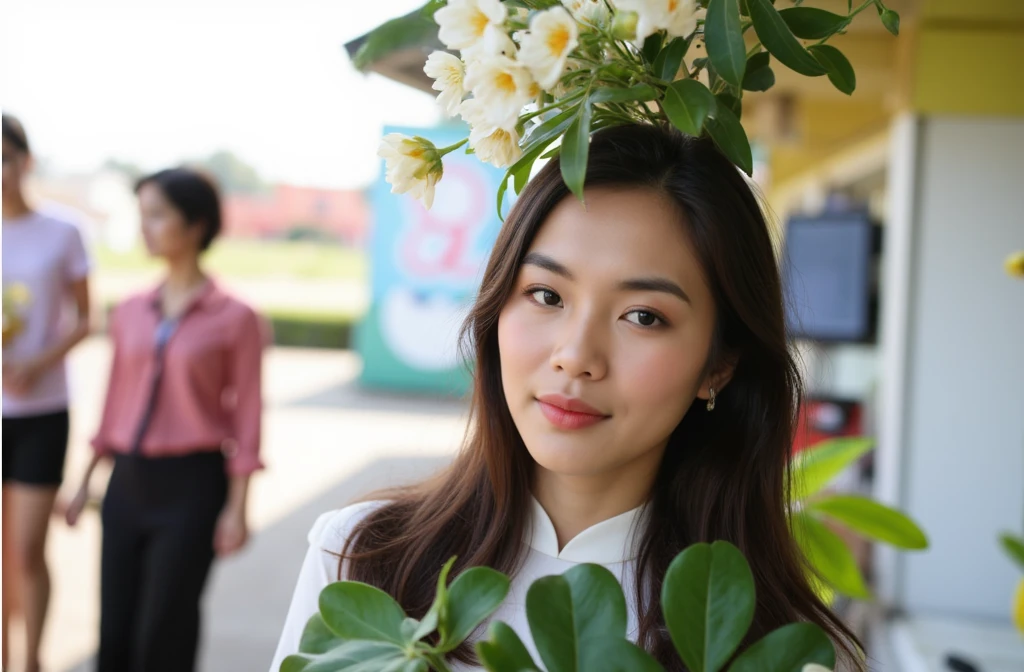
[326,442]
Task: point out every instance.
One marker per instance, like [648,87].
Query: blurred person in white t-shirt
[45,277]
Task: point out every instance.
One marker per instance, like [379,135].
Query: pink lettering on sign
[439,243]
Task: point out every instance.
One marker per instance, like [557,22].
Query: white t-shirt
[609,543]
[43,256]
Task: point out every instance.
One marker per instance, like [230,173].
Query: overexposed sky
[157,81]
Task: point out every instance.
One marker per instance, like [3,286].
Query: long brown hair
[724,474]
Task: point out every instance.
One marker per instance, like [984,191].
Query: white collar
[608,542]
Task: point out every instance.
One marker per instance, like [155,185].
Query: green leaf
[652,47]
[1014,546]
[891,21]
[708,599]
[840,72]
[687,104]
[617,655]
[788,649]
[777,38]
[608,94]
[354,610]
[872,519]
[348,656]
[416,29]
[317,637]
[724,37]
[542,136]
[666,66]
[503,651]
[759,76]
[570,615]
[575,150]
[473,596]
[813,468]
[727,132]
[811,23]
[730,102]
[829,556]
[439,609]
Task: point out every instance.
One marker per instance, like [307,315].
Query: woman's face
[164,228]
[15,166]
[605,338]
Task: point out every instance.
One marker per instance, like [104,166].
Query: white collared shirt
[609,543]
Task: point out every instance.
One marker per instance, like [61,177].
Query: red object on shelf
[823,419]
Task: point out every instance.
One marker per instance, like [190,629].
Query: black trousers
[159,516]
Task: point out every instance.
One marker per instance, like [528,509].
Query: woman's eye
[644,318]
[545,297]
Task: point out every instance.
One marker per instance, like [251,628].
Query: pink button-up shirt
[208,397]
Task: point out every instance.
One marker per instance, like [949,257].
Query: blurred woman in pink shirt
[182,424]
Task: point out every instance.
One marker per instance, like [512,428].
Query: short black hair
[194,194]
[14,133]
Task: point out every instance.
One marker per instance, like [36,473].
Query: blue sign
[425,272]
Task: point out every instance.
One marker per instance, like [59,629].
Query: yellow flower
[502,87]
[1018,607]
[448,72]
[593,13]
[677,17]
[475,27]
[412,165]
[499,147]
[546,47]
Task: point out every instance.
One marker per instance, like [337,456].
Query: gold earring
[711,399]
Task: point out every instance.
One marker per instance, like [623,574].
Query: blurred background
[898,208]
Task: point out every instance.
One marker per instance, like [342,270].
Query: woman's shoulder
[332,529]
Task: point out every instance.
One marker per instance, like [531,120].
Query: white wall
[961,458]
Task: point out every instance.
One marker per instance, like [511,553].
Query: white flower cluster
[495,76]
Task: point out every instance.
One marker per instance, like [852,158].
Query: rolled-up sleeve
[246,383]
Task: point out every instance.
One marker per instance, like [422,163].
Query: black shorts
[34,447]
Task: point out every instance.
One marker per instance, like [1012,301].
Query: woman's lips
[568,413]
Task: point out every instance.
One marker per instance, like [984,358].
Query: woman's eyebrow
[654,285]
[547,263]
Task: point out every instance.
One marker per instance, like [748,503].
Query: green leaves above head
[576,150]
[787,649]
[1014,547]
[812,23]
[415,29]
[354,610]
[759,75]
[708,600]
[731,103]
[687,104]
[535,144]
[872,519]
[812,469]
[840,72]
[829,556]
[666,65]
[610,94]
[777,38]
[727,132]
[723,35]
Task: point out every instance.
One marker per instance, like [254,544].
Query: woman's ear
[718,378]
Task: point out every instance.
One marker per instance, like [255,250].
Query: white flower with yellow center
[589,12]
[544,49]
[502,87]
[475,27]
[412,165]
[493,144]
[677,17]
[814,667]
[449,73]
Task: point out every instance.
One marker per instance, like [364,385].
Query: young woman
[634,394]
[45,272]
[182,423]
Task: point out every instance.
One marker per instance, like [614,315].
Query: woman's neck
[183,275]
[575,503]
[15,206]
